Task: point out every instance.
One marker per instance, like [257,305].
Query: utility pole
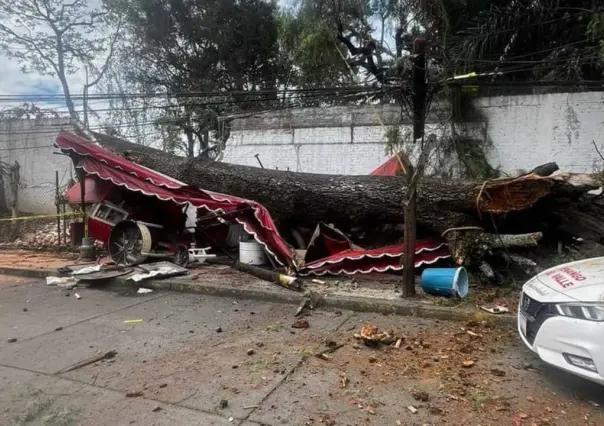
[419,87]
[414,173]
[85,100]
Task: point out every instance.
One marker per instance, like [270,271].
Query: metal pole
[85,101]
[258,158]
[64,224]
[82,202]
[58,206]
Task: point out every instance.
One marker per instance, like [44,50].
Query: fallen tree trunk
[305,199]
[459,210]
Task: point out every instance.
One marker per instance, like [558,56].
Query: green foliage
[527,40]
[182,46]
[309,54]
[472,156]
[396,139]
[595,33]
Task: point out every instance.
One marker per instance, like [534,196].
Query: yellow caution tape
[43,216]
[469,75]
[475,74]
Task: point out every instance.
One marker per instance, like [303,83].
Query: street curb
[359,304]
[27,272]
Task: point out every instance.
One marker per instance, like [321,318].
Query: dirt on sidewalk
[442,373]
[35,259]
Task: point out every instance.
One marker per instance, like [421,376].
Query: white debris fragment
[53,280]
[495,310]
[77,296]
[163,270]
[144,290]
[87,270]
[67,282]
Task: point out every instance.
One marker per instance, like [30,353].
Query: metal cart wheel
[129,243]
[181,258]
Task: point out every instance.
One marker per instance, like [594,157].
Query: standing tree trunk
[190,144]
[410,238]
[14,181]
[414,174]
[3,202]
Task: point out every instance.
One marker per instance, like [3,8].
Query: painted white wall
[533,129]
[523,131]
[29,142]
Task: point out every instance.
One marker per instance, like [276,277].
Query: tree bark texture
[304,199]
[408,289]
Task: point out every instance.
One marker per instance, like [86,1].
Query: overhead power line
[561,83]
[190,94]
[295,101]
[53,129]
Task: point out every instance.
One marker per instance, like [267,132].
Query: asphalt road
[195,360]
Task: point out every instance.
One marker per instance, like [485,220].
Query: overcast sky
[15,82]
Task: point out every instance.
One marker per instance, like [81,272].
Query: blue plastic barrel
[447,282]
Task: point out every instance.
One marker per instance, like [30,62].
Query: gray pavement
[186,372]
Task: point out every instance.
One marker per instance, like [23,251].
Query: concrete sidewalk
[385,302]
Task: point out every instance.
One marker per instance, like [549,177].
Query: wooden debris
[331,349]
[344,381]
[371,336]
[301,323]
[91,360]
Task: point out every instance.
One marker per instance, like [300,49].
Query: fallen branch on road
[84,363]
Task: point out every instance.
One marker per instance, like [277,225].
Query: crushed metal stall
[147,215]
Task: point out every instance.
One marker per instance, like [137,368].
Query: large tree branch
[46,15]
[64,7]
[84,23]
[109,56]
[366,53]
[29,42]
[351,47]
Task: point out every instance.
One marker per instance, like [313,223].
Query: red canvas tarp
[340,257]
[331,252]
[391,167]
[382,259]
[95,192]
[97,161]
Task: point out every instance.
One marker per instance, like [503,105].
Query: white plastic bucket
[251,253]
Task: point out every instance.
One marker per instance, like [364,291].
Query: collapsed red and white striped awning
[340,258]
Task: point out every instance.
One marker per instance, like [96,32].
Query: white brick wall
[524,131]
[534,129]
[29,142]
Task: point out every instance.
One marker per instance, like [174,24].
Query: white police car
[561,317]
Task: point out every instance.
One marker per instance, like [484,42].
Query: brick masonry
[521,131]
